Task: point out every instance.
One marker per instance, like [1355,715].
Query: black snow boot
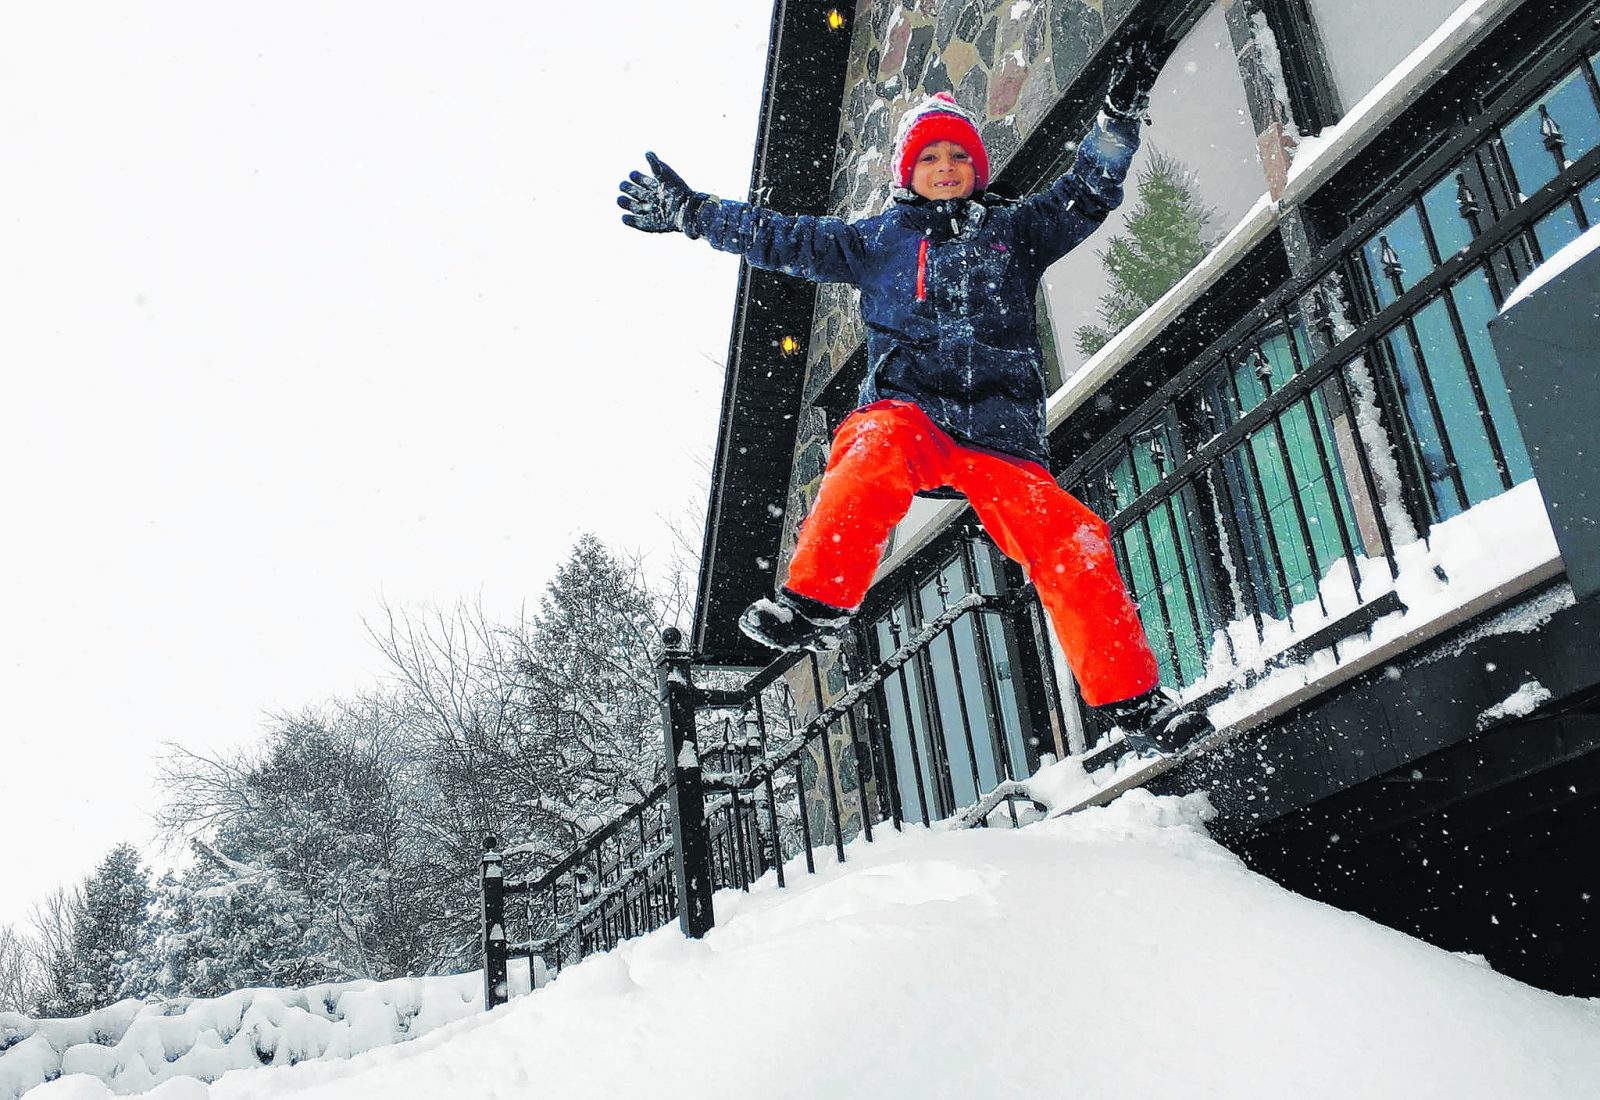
[792,621]
[1157,722]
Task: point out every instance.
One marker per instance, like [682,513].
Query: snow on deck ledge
[1471,563]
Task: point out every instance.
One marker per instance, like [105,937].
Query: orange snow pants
[885,453]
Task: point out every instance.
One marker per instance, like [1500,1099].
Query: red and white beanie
[938,118]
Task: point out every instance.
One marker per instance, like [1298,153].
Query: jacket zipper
[922,270]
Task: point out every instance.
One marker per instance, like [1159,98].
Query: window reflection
[1570,107]
[1475,303]
[955,721]
[1203,145]
[1426,439]
[1397,257]
[1452,228]
[1365,39]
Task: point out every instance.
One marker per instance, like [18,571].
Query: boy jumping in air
[954,397]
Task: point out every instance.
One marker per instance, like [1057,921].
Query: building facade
[1272,373]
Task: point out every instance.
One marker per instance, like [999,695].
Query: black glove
[661,203]
[1138,62]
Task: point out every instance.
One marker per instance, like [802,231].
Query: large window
[954,716]
[1365,39]
[1197,172]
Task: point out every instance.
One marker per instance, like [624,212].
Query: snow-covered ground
[1117,952]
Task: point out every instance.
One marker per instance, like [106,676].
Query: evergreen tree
[228,925]
[591,681]
[1166,237]
[111,927]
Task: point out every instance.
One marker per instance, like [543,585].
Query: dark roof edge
[736,335]
[770,127]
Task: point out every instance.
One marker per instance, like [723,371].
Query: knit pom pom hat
[938,118]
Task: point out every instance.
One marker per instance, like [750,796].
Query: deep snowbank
[133,1046]
[1118,952]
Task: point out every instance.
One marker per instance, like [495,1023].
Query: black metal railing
[792,762]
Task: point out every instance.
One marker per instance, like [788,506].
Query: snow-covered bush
[133,1045]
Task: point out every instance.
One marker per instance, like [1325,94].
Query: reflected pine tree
[1166,237]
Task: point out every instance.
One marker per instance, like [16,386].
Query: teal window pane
[1176,571]
[1248,386]
[1425,432]
[1278,497]
[1257,565]
[1220,400]
[1475,303]
[1144,585]
[904,725]
[1572,108]
[1144,464]
[1590,197]
[1301,335]
[1556,230]
[1156,452]
[1451,232]
[1338,494]
[1122,477]
[1258,370]
[1458,403]
[947,698]
[1003,657]
[1312,488]
[1278,355]
[1197,567]
[1404,235]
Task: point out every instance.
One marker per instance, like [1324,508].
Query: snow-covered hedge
[133,1045]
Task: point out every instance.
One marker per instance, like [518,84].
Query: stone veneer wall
[1009,62]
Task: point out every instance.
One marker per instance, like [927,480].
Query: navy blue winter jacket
[947,287]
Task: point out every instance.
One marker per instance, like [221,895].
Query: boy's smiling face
[943,171]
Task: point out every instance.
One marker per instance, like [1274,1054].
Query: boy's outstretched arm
[1074,206]
[824,250]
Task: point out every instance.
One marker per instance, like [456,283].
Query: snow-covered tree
[308,859]
[112,926]
[1166,237]
[220,928]
[589,681]
[537,730]
[344,845]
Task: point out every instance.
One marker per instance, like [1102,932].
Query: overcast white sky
[308,306]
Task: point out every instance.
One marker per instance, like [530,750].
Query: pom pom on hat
[938,118]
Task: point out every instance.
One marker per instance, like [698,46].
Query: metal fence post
[691,850]
[494,925]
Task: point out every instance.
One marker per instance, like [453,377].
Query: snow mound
[133,1046]
[1116,952]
